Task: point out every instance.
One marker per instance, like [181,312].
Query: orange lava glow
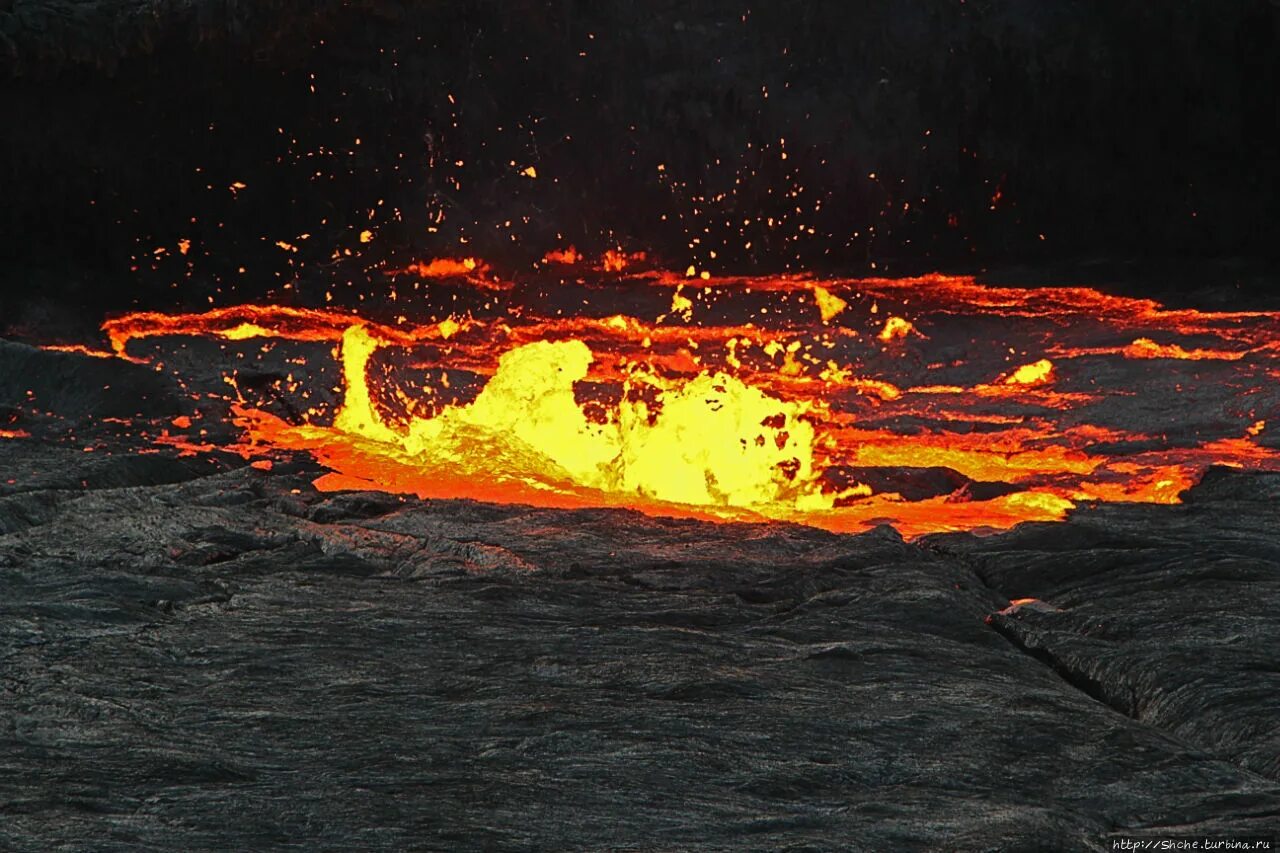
[470,268]
[933,404]
[895,329]
[1147,348]
[568,256]
[79,349]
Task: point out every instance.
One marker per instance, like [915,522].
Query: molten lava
[932,404]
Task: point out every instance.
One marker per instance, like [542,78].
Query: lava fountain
[932,404]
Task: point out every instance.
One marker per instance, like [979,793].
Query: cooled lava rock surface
[199,653]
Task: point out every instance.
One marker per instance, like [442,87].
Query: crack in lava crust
[933,403]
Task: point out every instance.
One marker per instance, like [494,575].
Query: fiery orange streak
[265,321]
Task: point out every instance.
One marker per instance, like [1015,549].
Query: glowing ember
[933,404]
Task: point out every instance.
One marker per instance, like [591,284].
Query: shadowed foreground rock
[230,660]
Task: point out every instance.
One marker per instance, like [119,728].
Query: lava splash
[932,404]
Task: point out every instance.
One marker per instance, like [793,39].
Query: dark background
[1000,133]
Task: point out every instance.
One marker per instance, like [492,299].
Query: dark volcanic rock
[71,385]
[915,484]
[1168,616]
[238,662]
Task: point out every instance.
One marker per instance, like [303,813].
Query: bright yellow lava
[896,329]
[245,331]
[829,305]
[710,441]
[1035,373]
